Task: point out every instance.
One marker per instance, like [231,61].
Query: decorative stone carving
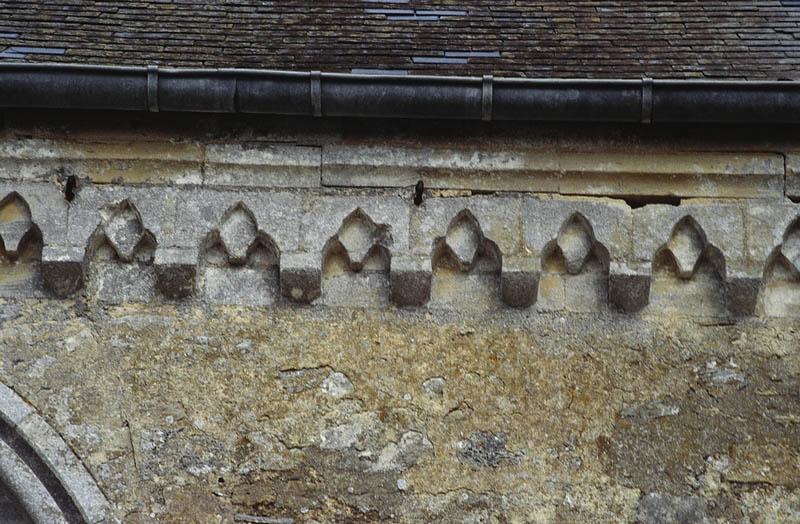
[689,273]
[121,236]
[574,269]
[466,265]
[465,248]
[20,248]
[239,261]
[120,255]
[356,262]
[780,293]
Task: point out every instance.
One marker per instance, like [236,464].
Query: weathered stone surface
[12,409]
[742,293]
[47,206]
[284,377]
[156,207]
[681,174]
[300,278]
[410,281]
[176,272]
[655,508]
[278,214]
[63,462]
[793,175]
[62,269]
[129,161]
[498,217]
[722,224]
[610,220]
[628,290]
[17,477]
[262,165]
[519,282]
[326,214]
[765,226]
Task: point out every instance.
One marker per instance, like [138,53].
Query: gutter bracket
[647,100]
[152,88]
[487,95]
[316,92]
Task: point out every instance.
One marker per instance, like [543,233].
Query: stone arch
[40,473]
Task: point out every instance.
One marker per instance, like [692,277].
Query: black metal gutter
[70,86]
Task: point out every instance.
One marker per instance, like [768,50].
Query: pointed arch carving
[465,248]
[780,287]
[121,236]
[239,262]
[574,268]
[119,256]
[20,247]
[356,261]
[466,266]
[689,273]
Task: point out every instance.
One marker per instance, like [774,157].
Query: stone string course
[258,246]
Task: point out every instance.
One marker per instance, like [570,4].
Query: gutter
[246,91]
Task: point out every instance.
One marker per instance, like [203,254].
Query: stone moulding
[42,471]
[173,234]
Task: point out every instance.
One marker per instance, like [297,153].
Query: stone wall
[272,321]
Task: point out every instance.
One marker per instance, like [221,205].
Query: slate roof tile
[757,39]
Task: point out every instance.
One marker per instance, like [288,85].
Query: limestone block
[497,216]
[128,162]
[47,206]
[156,207]
[793,175]
[116,282]
[683,174]
[519,282]
[410,281]
[262,165]
[765,225]
[253,286]
[300,277]
[62,269]
[628,288]
[385,166]
[176,271]
[544,218]
[325,216]
[742,290]
[277,214]
[721,222]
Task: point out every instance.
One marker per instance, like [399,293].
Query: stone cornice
[267,247]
